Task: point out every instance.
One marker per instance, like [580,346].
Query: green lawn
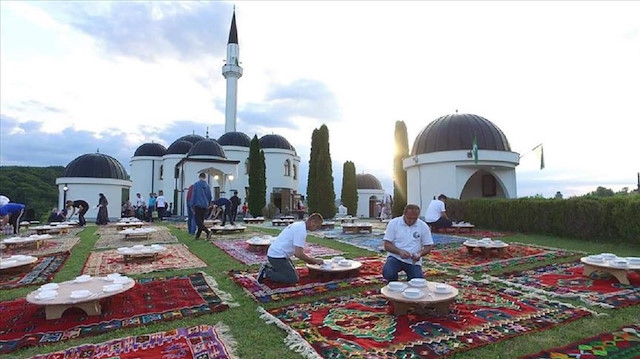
[256,340]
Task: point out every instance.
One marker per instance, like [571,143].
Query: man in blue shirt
[199,202]
[11,213]
[226,212]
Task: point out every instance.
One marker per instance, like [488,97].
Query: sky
[81,77]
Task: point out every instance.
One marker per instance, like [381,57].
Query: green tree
[312,192]
[35,187]
[321,194]
[257,179]
[399,174]
[601,192]
[349,194]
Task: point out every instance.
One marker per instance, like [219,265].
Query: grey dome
[367,181]
[275,141]
[191,138]
[96,165]
[207,147]
[179,147]
[234,139]
[456,132]
[151,149]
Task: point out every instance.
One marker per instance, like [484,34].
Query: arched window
[161,171]
[287,168]
[246,166]
[295,172]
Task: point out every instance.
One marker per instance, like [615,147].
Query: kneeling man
[290,241]
[406,240]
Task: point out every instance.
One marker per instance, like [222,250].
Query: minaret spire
[232,71]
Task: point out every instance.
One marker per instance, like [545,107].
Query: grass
[256,340]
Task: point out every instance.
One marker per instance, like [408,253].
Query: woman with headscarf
[103,215]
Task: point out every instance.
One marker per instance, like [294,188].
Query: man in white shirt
[436,215]
[406,240]
[161,204]
[290,241]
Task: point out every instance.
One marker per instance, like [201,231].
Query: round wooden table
[486,249]
[90,304]
[16,264]
[335,270]
[259,245]
[429,299]
[620,272]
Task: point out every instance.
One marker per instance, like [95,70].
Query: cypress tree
[312,189]
[257,179]
[349,194]
[399,174]
[326,195]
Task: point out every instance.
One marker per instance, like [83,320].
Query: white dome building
[442,161]
[370,194]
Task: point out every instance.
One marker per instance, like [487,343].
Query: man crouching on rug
[406,240]
[290,241]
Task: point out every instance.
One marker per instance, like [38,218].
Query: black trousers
[441,223]
[200,213]
[81,220]
[14,220]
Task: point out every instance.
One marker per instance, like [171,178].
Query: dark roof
[233,33]
[96,165]
[191,138]
[179,147]
[234,139]
[456,132]
[275,141]
[367,181]
[151,149]
[207,147]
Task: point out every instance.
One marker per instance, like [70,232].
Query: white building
[370,194]
[442,161]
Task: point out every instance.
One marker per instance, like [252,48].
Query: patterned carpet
[623,343]
[177,256]
[566,280]
[373,241]
[49,246]
[110,238]
[42,272]
[239,250]
[363,326]
[199,342]
[149,301]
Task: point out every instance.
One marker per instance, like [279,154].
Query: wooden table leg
[442,308]
[620,274]
[587,270]
[400,308]
[55,311]
[470,250]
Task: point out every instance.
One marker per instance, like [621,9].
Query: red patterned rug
[623,343]
[268,291]
[363,326]
[150,300]
[239,250]
[177,256]
[477,233]
[42,272]
[199,342]
[566,280]
[456,256]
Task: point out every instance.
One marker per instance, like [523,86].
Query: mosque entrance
[483,184]
[373,207]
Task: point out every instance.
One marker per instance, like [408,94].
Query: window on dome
[287,168]
[295,172]
[161,171]
[246,166]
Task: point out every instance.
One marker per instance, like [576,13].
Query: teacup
[412,293]
[418,282]
[48,287]
[608,256]
[396,286]
[442,288]
[83,278]
[337,259]
[80,293]
[46,294]
[345,263]
[486,239]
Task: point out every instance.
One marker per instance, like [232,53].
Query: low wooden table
[486,250]
[61,229]
[356,228]
[620,273]
[212,222]
[26,242]
[259,245]
[226,230]
[54,308]
[256,220]
[281,222]
[7,267]
[328,225]
[335,271]
[125,225]
[347,219]
[429,299]
[138,233]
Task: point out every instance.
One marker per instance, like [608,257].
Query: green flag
[474,150]
[541,157]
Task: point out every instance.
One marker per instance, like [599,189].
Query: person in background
[103,214]
[78,206]
[406,241]
[290,241]
[127,210]
[200,202]
[151,206]
[436,215]
[55,216]
[235,202]
[226,211]
[11,213]
[214,211]
[161,205]
[139,201]
[191,219]
[245,208]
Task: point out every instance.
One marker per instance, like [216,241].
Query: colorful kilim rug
[566,280]
[373,242]
[116,240]
[177,256]
[268,291]
[246,234]
[476,233]
[363,326]
[199,342]
[623,343]
[42,272]
[149,301]
[239,250]
[456,256]
[49,246]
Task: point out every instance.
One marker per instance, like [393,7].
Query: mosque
[440,162]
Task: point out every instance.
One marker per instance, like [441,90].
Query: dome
[275,141]
[191,138]
[151,149]
[207,147]
[367,181]
[96,165]
[234,139]
[179,147]
[456,132]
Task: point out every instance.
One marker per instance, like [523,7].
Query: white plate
[79,294]
[46,295]
[418,283]
[82,279]
[11,263]
[412,293]
[345,263]
[618,265]
[48,287]
[122,280]
[401,288]
[443,290]
[112,288]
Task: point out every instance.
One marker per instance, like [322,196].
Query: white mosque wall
[365,196]
[168,183]
[275,170]
[241,182]
[88,189]
[145,175]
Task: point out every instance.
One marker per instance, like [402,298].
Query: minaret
[232,72]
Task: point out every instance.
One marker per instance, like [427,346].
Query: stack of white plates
[112,287]
[46,294]
[442,288]
[412,293]
[634,261]
[595,258]
[80,293]
[397,286]
[418,282]
[83,278]
[8,263]
[48,287]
